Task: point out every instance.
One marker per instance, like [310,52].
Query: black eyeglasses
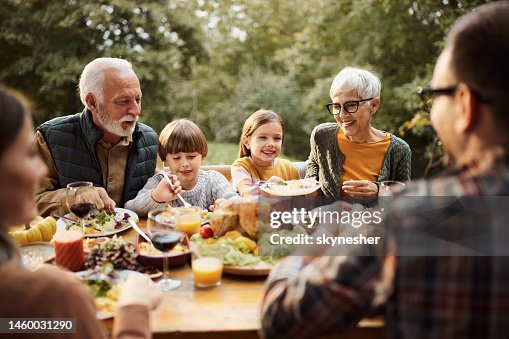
[349,106]
[428,93]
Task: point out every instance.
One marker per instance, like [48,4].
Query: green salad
[238,250]
[102,222]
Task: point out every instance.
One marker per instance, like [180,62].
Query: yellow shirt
[362,161]
[245,168]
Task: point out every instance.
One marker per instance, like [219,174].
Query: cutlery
[140,232]
[54,215]
[186,204]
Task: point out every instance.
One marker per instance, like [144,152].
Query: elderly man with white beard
[104,144]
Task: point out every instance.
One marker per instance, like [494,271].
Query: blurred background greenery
[216,62]
[225,153]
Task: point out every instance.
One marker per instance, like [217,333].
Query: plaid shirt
[423,296]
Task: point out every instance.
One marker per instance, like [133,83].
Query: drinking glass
[80,200]
[207,270]
[188,220]
[164,237]
[388,187]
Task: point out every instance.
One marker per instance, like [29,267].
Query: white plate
[259,270]
[277,189]
[61,223]
[34,253]
[122,275]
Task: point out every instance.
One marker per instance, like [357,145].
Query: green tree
[217,61]
[398,40]
[257,89]
[48,42]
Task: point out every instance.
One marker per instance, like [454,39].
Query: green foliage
[225,153]
[255,90]
[221,153]
[217,61]
[46,44]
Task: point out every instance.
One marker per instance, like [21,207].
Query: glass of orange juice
[207,270]
[188,220]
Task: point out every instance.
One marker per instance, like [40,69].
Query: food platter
[290,188]
[63,224]
[32,251]
[122,275]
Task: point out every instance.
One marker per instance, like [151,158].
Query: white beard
[115,126]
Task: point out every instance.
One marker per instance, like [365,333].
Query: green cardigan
[326,159]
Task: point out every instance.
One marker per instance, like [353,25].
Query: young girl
[260,145]
[182,147]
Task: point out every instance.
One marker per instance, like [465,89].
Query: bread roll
[248,216]
[225,217]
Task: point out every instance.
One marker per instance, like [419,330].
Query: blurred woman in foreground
[48,292]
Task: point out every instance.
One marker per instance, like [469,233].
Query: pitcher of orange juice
[188,219]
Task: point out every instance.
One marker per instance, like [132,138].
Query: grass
[224,153]
[221,153]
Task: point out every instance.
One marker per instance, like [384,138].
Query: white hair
[365,83]
[92,77]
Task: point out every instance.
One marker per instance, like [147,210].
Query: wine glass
[80,200]
[388,187]
[164,237]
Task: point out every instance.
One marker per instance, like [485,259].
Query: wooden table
[227,311]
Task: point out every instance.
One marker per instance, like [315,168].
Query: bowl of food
[148,255]
[169,214]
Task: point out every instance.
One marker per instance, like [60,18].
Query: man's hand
[163,191]
[99,197]
[360,188]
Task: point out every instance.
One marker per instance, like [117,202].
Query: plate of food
[100,224]
[238,252]
[105,287]
[233,236]
[290,188]
[261,269]
[168,215]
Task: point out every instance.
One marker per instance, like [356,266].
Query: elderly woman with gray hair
[351,155]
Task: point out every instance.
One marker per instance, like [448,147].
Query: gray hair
[92,77]
[365,83]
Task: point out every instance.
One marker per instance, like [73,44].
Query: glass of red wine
[80,200]
[164,237]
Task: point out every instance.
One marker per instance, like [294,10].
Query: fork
[186,204]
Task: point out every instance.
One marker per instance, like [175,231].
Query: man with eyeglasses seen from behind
[457,288]
[362,156]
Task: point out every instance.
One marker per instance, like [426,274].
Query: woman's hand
[138,289]
[360,188]
[163,191]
